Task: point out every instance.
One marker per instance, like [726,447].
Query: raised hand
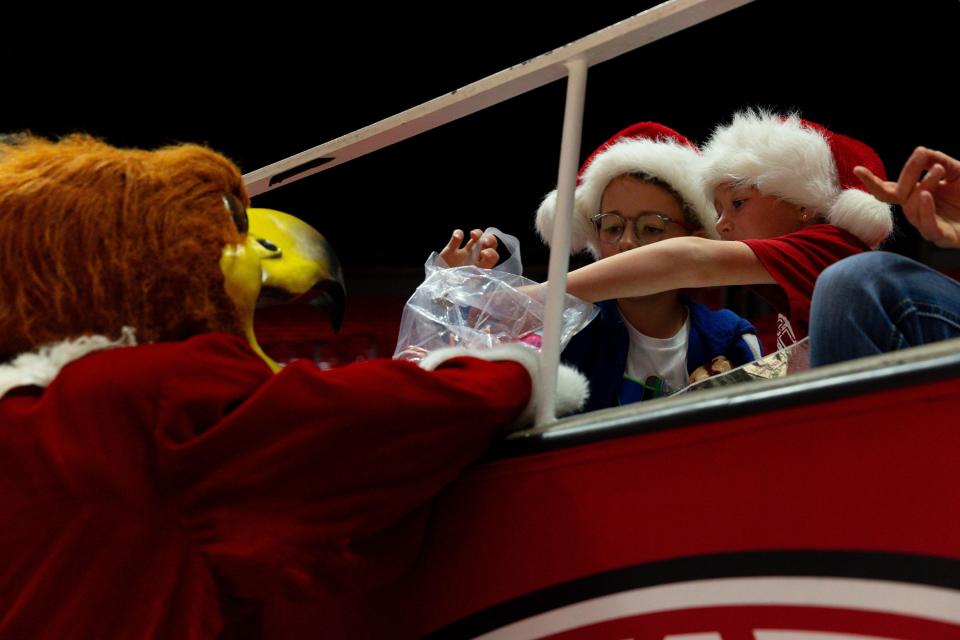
[456,256]
[930,200]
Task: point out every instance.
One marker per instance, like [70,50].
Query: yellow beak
[282,259]
[301,265]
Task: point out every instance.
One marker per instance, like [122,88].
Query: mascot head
[94,239]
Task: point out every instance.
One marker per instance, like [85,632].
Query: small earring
[803,218]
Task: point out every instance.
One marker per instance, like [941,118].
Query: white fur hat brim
[781,156]
[862,215]
[676,164]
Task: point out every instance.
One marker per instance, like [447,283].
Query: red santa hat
[801,162]
[646,148]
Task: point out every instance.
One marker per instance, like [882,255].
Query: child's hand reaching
[455,256]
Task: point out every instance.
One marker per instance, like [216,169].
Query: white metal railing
[560,240]
[571,61]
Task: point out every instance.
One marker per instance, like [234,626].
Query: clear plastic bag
[481,308]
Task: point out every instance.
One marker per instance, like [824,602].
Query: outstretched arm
[931,203]
[675,263]
[319,480]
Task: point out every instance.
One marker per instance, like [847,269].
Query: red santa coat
[152,491]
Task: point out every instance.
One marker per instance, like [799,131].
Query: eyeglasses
[647,227]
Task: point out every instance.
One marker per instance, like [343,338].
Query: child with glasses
[639,188]
[786,194]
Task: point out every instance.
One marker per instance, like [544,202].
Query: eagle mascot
[160,476]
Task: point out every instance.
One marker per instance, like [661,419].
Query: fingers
[933,178]
[485,246]
[450,252]
[882,190]
[488,258]
[474,237]
[932,226]
[910,174]
[951,165]
[924,217]
[488,241]
[455,239]
[920,208]
[923,159]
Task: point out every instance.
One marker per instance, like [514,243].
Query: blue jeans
[877,302]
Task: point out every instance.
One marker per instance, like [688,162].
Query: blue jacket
[600,350]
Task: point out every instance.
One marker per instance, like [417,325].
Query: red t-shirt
[149,491]
[795,261]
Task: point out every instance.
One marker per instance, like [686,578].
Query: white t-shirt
[665,358]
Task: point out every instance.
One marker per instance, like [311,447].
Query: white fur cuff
[39,368]
[572,387]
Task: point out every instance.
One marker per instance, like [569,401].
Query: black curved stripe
[895,567]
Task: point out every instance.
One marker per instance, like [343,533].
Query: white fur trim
[779,157]
[39,368]
[573,390]
[581,229]
[784,158]
[676,164]
[572,387]
[862,215]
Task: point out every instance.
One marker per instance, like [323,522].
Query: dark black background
[264,83]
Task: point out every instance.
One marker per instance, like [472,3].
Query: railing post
[560,242]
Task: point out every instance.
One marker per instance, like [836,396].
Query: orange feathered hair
[95,238]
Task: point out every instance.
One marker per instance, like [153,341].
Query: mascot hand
[572,387]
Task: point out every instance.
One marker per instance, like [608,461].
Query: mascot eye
[237,211]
